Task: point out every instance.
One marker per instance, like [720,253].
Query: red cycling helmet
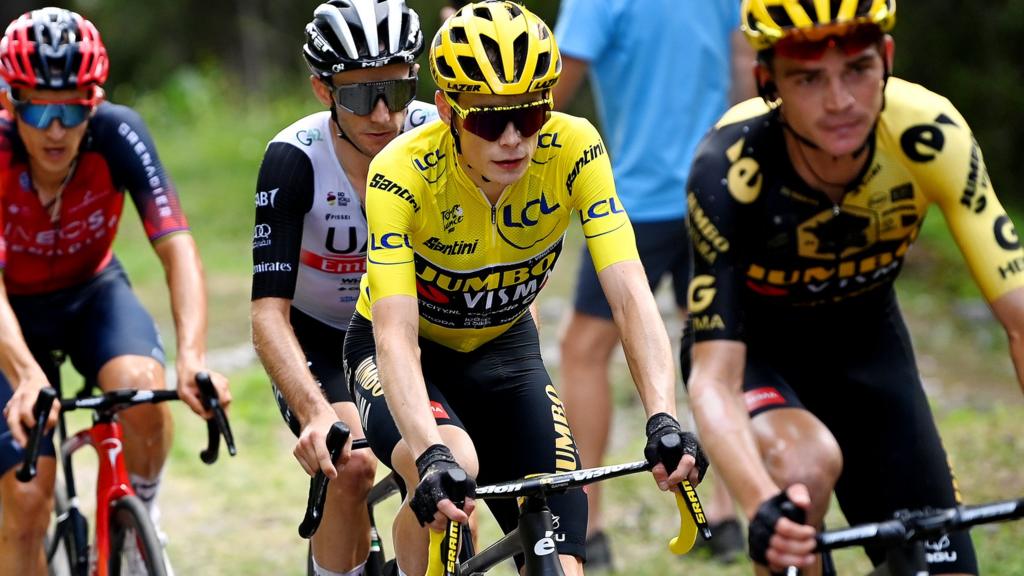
[53,49]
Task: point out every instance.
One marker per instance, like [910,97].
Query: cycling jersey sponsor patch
[491,296]
[438,411]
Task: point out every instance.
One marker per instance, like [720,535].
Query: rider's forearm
[284,360]
[16,361]
[1017,354]
[187,286]
[728,439]
[643,335]
[401,377]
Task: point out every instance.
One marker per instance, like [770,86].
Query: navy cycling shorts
[91,324]
[664,249]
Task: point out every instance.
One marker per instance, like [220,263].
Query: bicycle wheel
[129,521]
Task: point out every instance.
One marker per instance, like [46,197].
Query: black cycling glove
[763,525]
[441,478]
[667,443]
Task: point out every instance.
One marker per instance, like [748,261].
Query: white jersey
[310,239]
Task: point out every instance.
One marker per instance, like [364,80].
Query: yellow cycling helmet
[765,22]
[494,47]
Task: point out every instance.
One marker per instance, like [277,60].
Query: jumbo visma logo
[491,296]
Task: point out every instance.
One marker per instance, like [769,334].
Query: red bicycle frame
[112,481]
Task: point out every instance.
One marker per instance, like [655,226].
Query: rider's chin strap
[341,133]
[455,136]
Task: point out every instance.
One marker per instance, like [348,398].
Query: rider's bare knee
[26,511]
[356,479]
[816,464]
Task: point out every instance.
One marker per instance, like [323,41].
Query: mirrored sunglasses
[851,40]
[490,122]
[361,98]
[41,113]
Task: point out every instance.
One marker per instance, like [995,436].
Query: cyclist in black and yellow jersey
[802,208]
[466,220]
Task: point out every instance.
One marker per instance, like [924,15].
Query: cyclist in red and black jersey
[66,160]
[802,208]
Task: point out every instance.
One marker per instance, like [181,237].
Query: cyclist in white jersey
[309,243]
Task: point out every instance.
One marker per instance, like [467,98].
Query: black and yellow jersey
[476,267]
[766,242]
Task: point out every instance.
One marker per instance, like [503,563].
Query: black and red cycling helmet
[53,49]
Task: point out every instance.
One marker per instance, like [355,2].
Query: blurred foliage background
[966,51]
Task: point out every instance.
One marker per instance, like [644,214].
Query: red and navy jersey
[117,154]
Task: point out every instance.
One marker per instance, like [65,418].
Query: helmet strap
[455,136]
[341,133]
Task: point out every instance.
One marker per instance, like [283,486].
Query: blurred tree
[967,51]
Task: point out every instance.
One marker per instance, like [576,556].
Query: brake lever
[40,410]
[218,425]
[336,438]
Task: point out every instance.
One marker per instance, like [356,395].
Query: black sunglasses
[490,122]
[361,98]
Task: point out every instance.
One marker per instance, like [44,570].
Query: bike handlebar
[115,401]
[918,525]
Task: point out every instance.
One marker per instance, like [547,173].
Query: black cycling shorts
[664,249]
[502,396]
[322,345]
[854,369]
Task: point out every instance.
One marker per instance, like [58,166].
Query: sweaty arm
[284,195]
[390,282]
[716,398]
[187,286]
[715,218]
[643,334]
[396,333]
[1009,310]
[21,369]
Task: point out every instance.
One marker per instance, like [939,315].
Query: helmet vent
[458,35]
[779,15]
[543,61]
[471,69]
[444,68]
[520,46]
[481,12]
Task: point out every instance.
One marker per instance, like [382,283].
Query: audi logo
[261,231]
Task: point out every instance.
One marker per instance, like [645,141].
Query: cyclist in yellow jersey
[466,219]
[802,207]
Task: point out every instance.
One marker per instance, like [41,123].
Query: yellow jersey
[474,266]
